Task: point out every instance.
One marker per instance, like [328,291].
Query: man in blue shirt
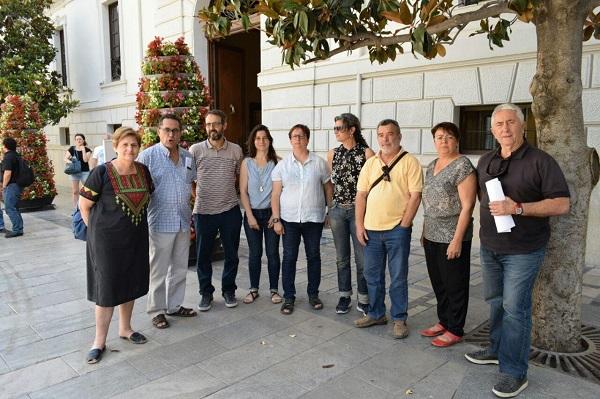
[169,217]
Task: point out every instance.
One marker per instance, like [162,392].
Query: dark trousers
[229,225]
[450,281]
[311,234]
[255,249]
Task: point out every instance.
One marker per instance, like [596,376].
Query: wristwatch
[275,220]
[518,209]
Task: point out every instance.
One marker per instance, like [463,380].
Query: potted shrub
[21,120]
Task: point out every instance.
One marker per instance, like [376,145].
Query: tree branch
[366,39]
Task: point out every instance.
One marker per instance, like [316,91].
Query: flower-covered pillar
[171,83]
[21,120]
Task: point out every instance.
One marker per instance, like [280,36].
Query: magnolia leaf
[441,50]
[392,16]
[245,21]
[526,16]
[587,33]
[437,19]
[427,8]
[303,22]
[405,14]
[519,5]
[267,11]
[597,33]
[391,52]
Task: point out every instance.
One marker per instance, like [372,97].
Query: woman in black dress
[113,205]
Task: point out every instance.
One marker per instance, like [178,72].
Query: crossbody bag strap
[380,178]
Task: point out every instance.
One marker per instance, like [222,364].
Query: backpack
[25,177]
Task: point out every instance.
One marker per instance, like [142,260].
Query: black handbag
[73,167]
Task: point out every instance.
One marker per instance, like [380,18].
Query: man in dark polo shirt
[216,208]
[534,189]
[10,189]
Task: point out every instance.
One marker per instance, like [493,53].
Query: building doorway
[234,63]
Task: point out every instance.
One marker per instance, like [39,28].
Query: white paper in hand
[505,222]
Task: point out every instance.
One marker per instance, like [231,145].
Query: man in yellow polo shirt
[388,196]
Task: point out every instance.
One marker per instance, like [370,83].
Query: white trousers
[168,269]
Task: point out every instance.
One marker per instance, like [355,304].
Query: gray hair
[386,122]
[510,107]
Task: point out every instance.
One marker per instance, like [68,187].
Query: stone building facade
[461,87]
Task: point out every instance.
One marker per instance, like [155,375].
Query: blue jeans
[311,234]
[508,282]
[394,246]
[341,220]
[255,249]
[12,194]
[229,225]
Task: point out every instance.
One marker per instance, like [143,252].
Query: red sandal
[446,340]
[434,331]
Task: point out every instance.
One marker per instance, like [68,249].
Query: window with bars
[475,126]
[63,56]
[114,41]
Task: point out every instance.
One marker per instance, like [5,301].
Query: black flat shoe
[94,355]
[136,338]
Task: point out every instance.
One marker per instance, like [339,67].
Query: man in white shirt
[98,156]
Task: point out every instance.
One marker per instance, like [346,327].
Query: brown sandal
[276,298]
[160,321]
[251,297]
[184,312]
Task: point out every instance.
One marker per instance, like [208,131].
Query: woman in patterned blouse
[448,201]
[113,205]
[345,163]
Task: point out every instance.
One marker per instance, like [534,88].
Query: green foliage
[309,30]
[25,55]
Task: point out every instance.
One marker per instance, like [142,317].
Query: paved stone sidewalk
[252,351]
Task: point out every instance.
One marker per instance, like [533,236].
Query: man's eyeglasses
[170,131]
[386,173]
[298,137]
[497,166]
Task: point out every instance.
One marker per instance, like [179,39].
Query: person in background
[301,192]
[345,163]
[169,214]
[83,154]
[11,192]
[448,200]
[256,187]
[113,206]
[98,156]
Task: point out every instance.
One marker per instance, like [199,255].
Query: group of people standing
[368,199]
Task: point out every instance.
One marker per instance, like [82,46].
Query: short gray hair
[510,107]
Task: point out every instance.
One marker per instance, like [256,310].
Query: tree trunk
[557,107]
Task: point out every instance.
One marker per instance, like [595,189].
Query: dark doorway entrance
[234,64]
